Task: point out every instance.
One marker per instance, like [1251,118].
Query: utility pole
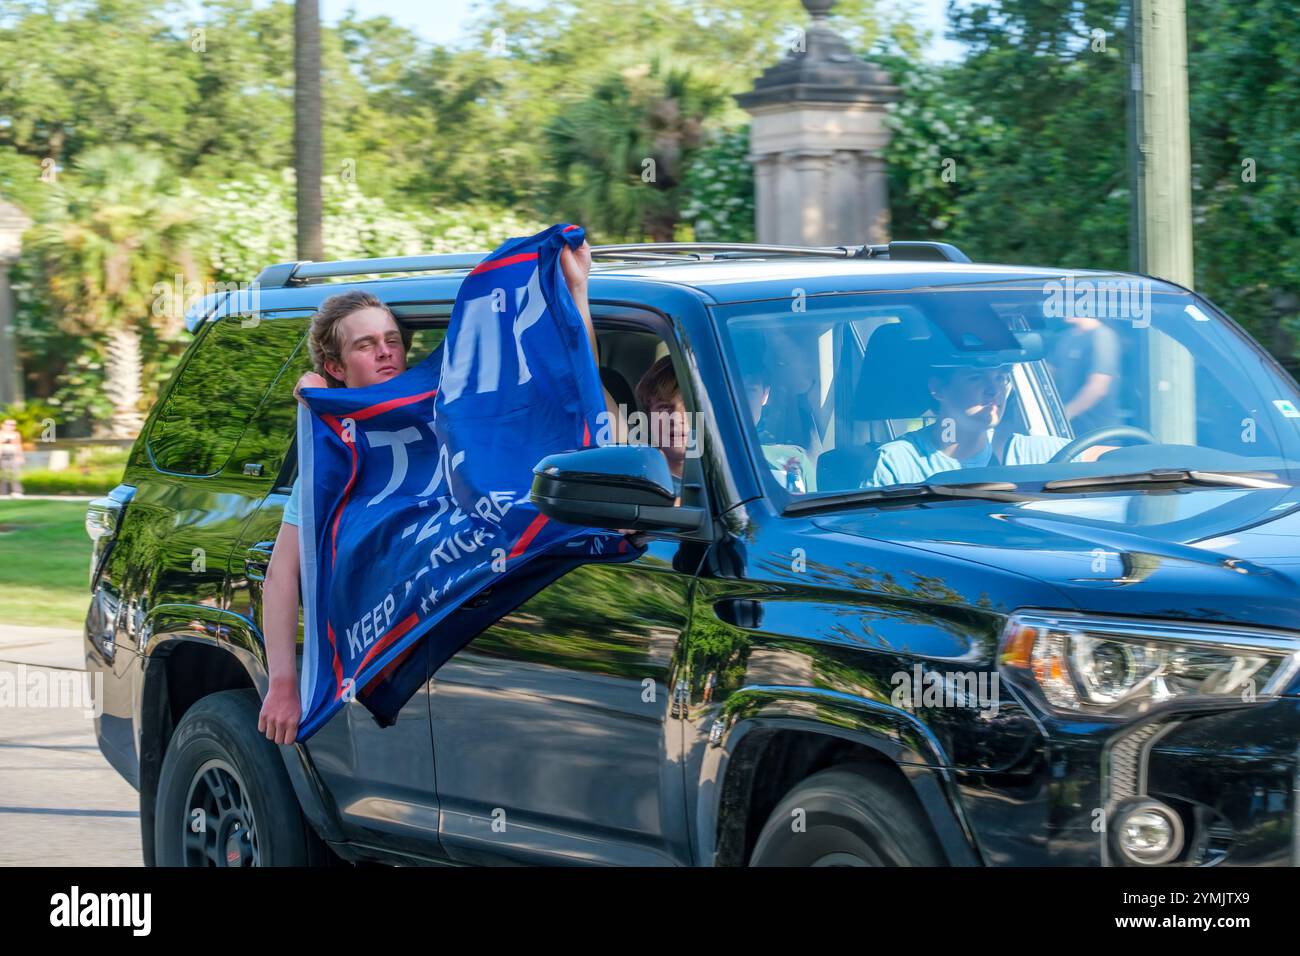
[307,149]
[1160,140]
[1161,162]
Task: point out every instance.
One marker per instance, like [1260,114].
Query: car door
[555,736]
[380,778]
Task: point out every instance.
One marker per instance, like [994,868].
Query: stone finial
[825,70]
[818,9]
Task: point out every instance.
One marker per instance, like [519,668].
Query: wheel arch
[187,658]
[772,748]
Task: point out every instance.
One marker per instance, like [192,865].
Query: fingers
[279,728]
[283,731]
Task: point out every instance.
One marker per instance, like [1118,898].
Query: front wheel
[852,815]
[224,797]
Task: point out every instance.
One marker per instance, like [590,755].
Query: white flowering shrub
[249,224]
[720,187]
[939,139]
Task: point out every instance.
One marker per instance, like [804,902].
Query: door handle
[256,560]
[479,600]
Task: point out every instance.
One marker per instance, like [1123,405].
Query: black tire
[854,815]
[217,761]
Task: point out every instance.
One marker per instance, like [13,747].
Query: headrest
[895,373]
[618,387]
[897,367]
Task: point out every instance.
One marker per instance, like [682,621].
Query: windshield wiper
[908,494]
[1167,477]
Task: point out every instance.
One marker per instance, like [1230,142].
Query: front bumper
[1230,774]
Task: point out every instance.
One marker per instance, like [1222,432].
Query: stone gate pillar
[817,140]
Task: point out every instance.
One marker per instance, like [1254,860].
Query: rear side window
[220,387]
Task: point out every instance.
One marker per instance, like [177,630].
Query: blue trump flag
[416,531]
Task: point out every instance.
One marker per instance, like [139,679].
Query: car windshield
[1025,382]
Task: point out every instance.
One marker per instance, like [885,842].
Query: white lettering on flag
[397,441]
[526,317]
[480,337]
[442,472]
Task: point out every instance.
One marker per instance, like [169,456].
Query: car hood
[1230,555]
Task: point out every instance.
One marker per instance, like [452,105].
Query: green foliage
[938,138]
[720,184]
[30,416]
[1054,188]
[249,224]
[430,148]
[661,75]
[1035,117]
[1244,62]
[619,155]
[104,239]
[79,396]
[72,481]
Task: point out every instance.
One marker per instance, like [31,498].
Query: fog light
[1148,833]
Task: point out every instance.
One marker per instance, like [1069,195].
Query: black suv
[860,638]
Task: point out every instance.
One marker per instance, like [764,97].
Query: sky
[442,21]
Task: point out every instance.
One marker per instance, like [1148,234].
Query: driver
[970,402]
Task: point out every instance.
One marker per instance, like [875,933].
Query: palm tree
[307,149]
[105,238]
[621,153]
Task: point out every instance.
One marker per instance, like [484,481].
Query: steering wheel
[1099,435]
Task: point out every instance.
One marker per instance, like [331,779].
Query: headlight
[1113,667]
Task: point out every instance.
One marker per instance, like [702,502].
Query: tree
[1034,118]
[1244,71]
[618,157]
[96,72]
[545,69]
[104,241]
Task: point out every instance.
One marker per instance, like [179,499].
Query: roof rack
[712,250]
[287,274]
[300,273]
[903,250]
[912,251]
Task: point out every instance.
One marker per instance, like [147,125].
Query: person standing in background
[11,459]
[1085,363]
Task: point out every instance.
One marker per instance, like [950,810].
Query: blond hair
[323,338]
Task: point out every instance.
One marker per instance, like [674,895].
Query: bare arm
[282,708]
[576,265]
[1093,391]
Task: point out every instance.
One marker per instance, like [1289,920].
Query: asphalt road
[60,802]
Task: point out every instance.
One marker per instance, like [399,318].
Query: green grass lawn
[44,563]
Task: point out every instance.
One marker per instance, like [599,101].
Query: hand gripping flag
[416,531]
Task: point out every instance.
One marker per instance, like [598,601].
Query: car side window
[268,438]
[627,355]
[220,387]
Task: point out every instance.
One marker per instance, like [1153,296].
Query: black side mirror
[611,486]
